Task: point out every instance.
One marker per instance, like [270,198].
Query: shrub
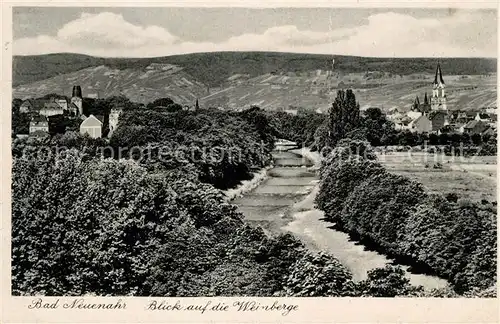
[389,281]
[318,275]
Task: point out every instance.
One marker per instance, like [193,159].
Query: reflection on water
[284,202]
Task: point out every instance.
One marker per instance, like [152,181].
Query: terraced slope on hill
[139,85]
[237,80]
[317,91]
[214,68]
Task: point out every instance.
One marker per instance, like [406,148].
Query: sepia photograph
[259,152]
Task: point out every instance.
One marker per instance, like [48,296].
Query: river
[285,202]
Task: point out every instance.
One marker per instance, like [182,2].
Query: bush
[319,275]
[389,281]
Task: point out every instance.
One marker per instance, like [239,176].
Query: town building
[92,126]
[39,123]
[418,109]
[51,108]
[62,102]
[439,119]
[28,105]
[489,132]
[475,127]
[73,110]
[484,117]
[420,125]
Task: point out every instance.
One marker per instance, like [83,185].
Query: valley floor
[285,202]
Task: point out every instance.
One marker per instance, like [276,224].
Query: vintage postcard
[249,162]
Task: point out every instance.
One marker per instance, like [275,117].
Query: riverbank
[248,185]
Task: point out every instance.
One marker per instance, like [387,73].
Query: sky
[150,32]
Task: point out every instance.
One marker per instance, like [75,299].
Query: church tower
[76,98]
[438,100]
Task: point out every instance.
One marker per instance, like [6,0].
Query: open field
[473,178]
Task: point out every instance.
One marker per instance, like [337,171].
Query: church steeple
[416,104]
[426,100]
[438,78]
[438,100]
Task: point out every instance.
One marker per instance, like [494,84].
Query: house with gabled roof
[421,124]
[51,108]
[92,126]
[39,123]
[27,106]
[475,127]
[490,131]
[439,119]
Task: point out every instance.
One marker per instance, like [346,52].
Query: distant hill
[273,81]
[137,84]
[215,68]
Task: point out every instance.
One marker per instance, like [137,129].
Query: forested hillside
[214,68]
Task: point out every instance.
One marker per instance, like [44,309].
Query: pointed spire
[416,104]
[438,78]
[197,106]
[426,100]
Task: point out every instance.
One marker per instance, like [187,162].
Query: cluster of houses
[42,109]
[432,115]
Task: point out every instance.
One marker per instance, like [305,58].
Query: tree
[319,275]
[20,121]
[389,281]
[343,116]
[164,102]
[377,126]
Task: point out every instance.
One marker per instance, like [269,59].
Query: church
[437,101]
[431,115]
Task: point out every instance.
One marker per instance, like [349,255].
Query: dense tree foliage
[147,233]
[143,215]
[379,130]
[387,282]
[223,148]
[300,128]
[82,225]
[455,239]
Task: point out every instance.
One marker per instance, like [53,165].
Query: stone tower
[114,116]
[438,100]
[77,99]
